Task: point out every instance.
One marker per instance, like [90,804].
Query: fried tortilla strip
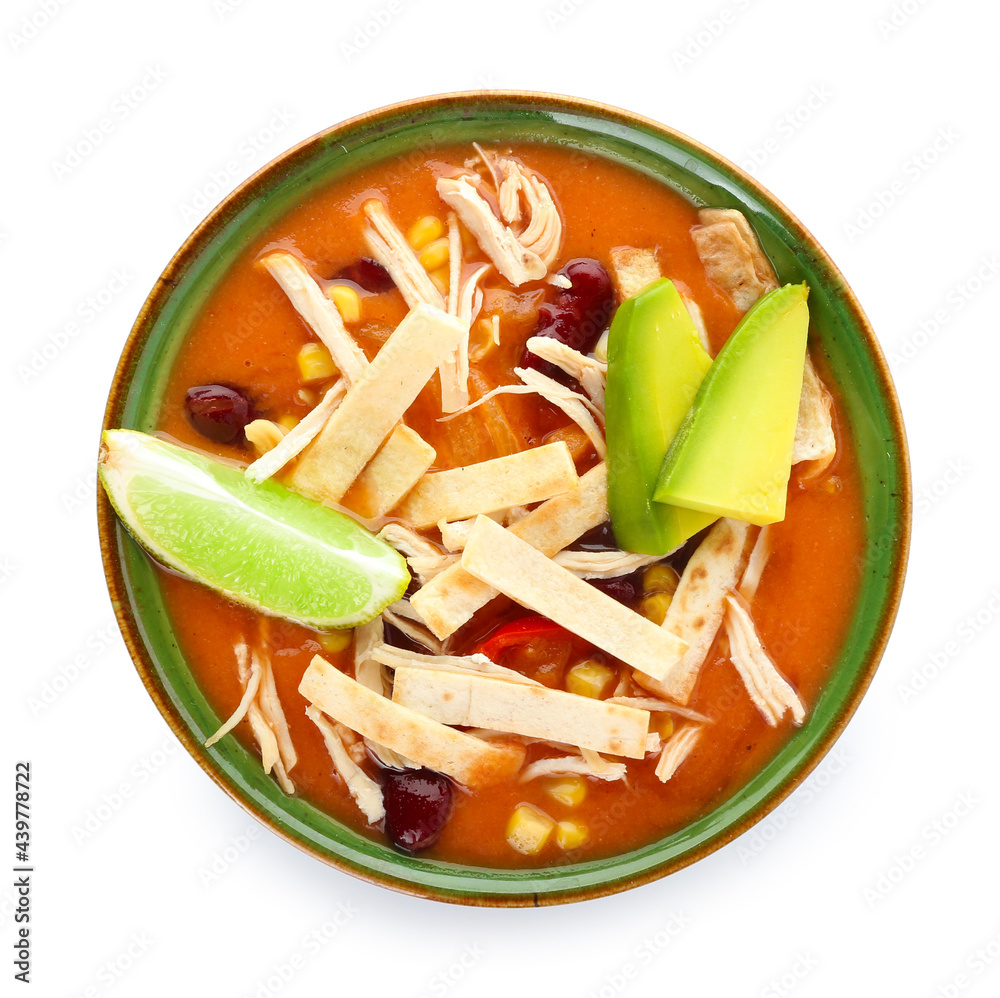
[319,313]
[469,760]
[375,404]
[528,476]
[450,599]
[814,437]
[696,611]
[396,467]
[503,560]
[732,256]
[632,269]
[676,749]
[366,792]
[536,711]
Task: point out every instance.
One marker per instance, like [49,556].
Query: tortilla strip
[469,760]
[396,467]
[452,597]
[503,560]
[632,269]
[729,262]
[319,313]
[573,765]
[696,611]
[536,711]
[770,691]
[761,265]
[814,436]
[676,749]
[366,792]
[375,404]
[527,476]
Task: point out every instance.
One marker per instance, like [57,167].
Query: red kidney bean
[624,589]
[218,412]
[369,275]
[418,803]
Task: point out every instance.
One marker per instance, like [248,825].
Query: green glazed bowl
[838,326]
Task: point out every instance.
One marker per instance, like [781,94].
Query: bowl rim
[543,101]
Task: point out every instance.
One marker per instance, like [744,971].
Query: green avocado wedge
[655,364]
[261,545]
[733,454]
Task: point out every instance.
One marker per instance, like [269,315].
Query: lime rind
[263,546]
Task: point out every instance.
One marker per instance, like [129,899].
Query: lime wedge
[261,545]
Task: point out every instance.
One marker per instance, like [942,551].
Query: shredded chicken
[579,408]
[455,373]
[652,704]
[249,694]
[389,246]
[676,750]
[755,565]
[366,792]
[573,765]
[770,692]
[603,564]
[424,558]
[814,437]
[414,630]
[477,665]
[589,371]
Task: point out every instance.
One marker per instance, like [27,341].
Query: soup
[778,598]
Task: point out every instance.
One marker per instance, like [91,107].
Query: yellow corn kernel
[347,300]
[570,835]
[662,723]
[263,434]
[288,421]
[425,230]
[315,363]
[442,277]
[568,790]
[334,641]
[529,829]
[589,678]
[660,579]
[440,285]
[655,606]
[434,255]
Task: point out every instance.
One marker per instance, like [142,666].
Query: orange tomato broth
[248,335]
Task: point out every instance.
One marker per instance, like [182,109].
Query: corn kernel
[570,835]
[568,790]
[347,300]
[660,579]
[334,641]
[601,350]
[442,274]
[263,434]
[589,678]
[288,421]
[425,230]
[440,285]
[663,724]
[529,829]
[434,255]
[315,363]
[655,606]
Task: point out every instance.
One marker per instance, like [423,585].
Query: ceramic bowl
[838,326]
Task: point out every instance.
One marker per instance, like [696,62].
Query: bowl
[838,324]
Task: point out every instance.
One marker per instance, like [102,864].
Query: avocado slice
[733,454]
[655,364]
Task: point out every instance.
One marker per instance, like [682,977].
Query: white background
[875,122]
